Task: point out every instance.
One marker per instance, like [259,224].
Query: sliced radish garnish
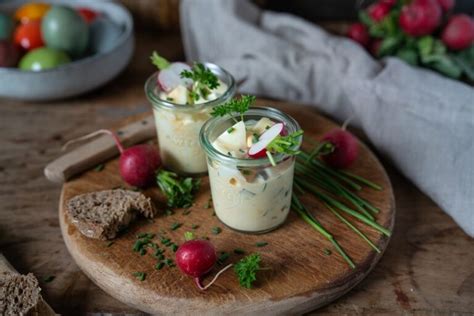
[273,131]
[259,150]
[170,78]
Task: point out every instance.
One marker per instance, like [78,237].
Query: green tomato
[43,58]
[64,29]
[6,26]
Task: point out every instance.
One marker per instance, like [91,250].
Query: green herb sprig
[246,270]
[204,80]
[234,106]
[179,192]
[284,145]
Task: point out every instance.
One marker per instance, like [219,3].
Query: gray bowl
[77,77]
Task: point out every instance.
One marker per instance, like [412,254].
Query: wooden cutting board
[301,275]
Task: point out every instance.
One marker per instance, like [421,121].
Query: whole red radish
[137,164]
[346,148]
[196,257]
[421,17]
[358,32]
[378,11]
[446,5]
[459,32]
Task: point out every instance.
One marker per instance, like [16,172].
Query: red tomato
[28,35]
[87,14]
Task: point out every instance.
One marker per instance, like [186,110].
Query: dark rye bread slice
[19,294]
[101,215]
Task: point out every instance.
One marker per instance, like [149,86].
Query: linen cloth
[422,121]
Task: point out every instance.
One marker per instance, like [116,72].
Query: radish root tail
[347,121]
[94,134]
[197,280]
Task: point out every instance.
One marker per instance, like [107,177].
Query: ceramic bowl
[79,76]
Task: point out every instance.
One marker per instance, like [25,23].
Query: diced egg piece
[233,139]
[262,125]
[178,95]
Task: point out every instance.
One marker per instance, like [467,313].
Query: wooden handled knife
[99,150]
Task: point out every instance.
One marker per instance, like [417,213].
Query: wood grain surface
[301,277]
[426,270]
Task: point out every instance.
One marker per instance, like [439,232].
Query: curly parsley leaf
[234,106]
[159,61]
[179,192]
[204,80]
[246,270]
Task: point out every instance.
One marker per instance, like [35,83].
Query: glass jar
[249,195]
[178,125]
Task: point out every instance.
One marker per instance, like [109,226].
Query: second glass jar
[178,125]
[249,195]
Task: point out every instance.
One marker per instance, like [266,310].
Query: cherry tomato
[31,11]
[28,35]
[87,14]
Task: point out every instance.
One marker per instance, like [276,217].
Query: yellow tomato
[31,11]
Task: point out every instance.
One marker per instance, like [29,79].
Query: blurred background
[164,14]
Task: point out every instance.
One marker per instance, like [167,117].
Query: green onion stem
[317,226]
[362,180]
[342,207]
[337,174]
[355,229]
[270,157]
[335,188]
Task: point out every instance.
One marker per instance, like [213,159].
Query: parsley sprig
[179,192]
[204,80]
[234,106]
[246,269]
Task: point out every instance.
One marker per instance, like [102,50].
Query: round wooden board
[301,276]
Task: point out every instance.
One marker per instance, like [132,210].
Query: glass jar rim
[222,74]
[263,111]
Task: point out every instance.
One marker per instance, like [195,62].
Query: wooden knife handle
[97,151]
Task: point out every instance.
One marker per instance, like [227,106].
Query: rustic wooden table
[428,267]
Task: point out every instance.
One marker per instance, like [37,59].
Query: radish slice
[259,150]
[273,131]
[170,78]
